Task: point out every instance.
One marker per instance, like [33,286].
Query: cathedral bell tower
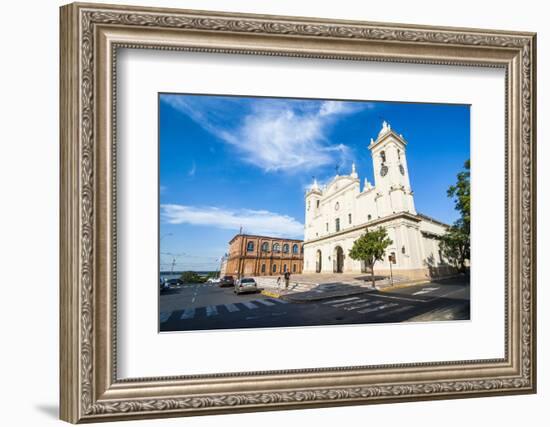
[313,209]
[391,173]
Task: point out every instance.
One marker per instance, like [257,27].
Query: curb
[404,285]
[415,282]
[270,294]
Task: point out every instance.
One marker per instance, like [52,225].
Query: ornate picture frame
[90,37]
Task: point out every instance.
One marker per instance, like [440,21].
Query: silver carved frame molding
[90,37]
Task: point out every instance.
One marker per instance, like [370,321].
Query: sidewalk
[301,292]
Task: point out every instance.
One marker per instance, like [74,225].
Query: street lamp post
[391,258]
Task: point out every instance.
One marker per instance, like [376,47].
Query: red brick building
[251,255]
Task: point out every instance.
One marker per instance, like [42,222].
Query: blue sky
[227,162]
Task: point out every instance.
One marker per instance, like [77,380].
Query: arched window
[284,268]
[263,268]
[250,246]
[274,268]
[383,156]
[265,247]
[285,248]
[294,268]
[294,248]
[276,247]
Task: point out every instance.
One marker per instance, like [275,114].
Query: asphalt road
[204,307]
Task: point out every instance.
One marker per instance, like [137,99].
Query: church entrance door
[338,259]
[318,262]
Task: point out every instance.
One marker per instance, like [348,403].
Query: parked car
[227,281]
[214,280]
[174,282]
[244,285]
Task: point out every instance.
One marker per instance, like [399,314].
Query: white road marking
[249,305]
[368,304]
[355,301]
[400,298]
[188,313]
[280,301]
[211,310]
[380,307]
[231,307]
[165,316]
[341,300]
[264,302]
[425,291]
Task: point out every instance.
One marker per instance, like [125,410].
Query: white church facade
[340,212]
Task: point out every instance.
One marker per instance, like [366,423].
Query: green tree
[191,277]
[371,247]
[455,243]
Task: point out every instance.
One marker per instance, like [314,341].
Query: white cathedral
[340,212]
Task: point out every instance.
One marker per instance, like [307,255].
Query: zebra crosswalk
[188,313]
[211,311]
[371,304]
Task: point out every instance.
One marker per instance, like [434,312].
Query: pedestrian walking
[278,282]
[287,279]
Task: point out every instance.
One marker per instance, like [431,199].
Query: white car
[246,284]
[214,280]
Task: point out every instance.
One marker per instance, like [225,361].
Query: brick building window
[276,247]
[265,247]
[274,268]
[285,248]
[294,249]
[250,246]
[284,268]
[294,268]
[263,268]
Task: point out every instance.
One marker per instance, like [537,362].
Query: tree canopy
[371,247]
[455,243]
[461,193]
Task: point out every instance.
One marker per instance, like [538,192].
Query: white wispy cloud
[192,170]
[252,221]
[275,135]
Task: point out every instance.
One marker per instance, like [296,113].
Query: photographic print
[281,212]
[316,196]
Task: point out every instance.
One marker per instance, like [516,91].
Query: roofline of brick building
[265,237]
